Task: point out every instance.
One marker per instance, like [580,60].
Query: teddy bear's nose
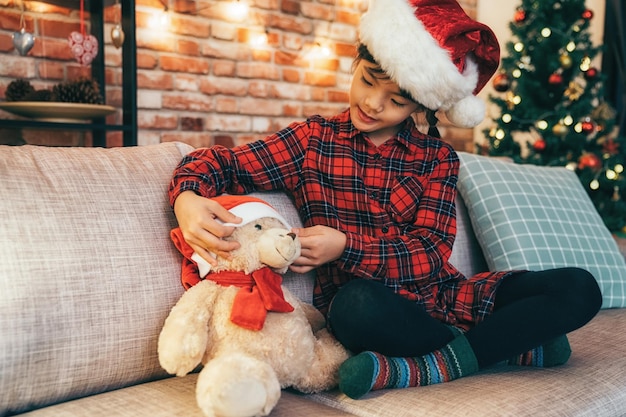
[292,235]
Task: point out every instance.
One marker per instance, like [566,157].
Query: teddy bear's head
[264,242]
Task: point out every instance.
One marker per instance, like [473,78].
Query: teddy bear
[249,332]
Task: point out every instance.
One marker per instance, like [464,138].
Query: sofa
[88,275]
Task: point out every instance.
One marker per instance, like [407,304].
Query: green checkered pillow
[532,217]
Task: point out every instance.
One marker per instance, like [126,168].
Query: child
[376,198]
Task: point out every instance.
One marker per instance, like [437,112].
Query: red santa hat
[249,209]
[435,51]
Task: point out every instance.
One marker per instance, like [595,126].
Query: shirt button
[385,229]
[377,156]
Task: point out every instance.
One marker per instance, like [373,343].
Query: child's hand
[200,220]
[320,245]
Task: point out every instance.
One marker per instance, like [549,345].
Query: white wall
[498,13]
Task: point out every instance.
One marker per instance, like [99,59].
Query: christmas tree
[549,100]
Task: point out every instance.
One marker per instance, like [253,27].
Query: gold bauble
[559,129]
[565,60]
[117,36]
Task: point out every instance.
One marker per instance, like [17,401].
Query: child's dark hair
[431,118]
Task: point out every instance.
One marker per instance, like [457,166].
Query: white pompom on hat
[433,50]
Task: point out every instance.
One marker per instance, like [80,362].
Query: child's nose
[374,102]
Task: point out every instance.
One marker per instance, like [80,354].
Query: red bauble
[519,16]
[587,127]
[539,145]
[555,78]
[501,82]
[590,160]
[587,14]
[591,73]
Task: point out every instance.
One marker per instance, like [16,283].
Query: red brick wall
[200,80]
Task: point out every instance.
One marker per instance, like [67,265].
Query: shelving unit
[98,126]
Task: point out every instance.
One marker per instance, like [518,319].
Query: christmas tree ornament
[539,145]
[555,78]
[587,126]
[587,14]
[84,47]
[501,82]
[574,90]
[566,61]
[589,160]
[23,41]
[117,34]
[591,73]
[520,16]
[610,147]
[560,129]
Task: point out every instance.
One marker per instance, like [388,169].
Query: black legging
[530,308]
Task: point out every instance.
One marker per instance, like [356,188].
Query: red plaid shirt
[395,203]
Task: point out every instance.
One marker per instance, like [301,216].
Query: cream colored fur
[244,370]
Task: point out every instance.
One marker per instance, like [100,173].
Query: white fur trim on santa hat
[252,211]
[413,58]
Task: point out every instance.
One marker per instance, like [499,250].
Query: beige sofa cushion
[87,270]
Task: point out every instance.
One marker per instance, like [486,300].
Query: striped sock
[369,371]
[555,352]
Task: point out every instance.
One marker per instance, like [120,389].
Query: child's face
[376,106]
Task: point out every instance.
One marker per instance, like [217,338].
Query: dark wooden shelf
[99,127]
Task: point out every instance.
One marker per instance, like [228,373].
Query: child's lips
[363,116]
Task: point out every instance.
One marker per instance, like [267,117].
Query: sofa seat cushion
[170,397]
[590,384]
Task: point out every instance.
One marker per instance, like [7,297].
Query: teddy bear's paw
[247,398]
[181,354]
[237,386]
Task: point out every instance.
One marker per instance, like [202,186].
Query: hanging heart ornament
[117,35]
[23,41]
[83,47]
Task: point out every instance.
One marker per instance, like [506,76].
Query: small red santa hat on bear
[435,51]
[246,207]
[249,209]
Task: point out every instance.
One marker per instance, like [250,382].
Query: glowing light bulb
[237,10]
[159,20]
[259,40]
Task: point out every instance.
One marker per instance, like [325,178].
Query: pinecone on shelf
[18,89]
[38,95]
[82,90]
